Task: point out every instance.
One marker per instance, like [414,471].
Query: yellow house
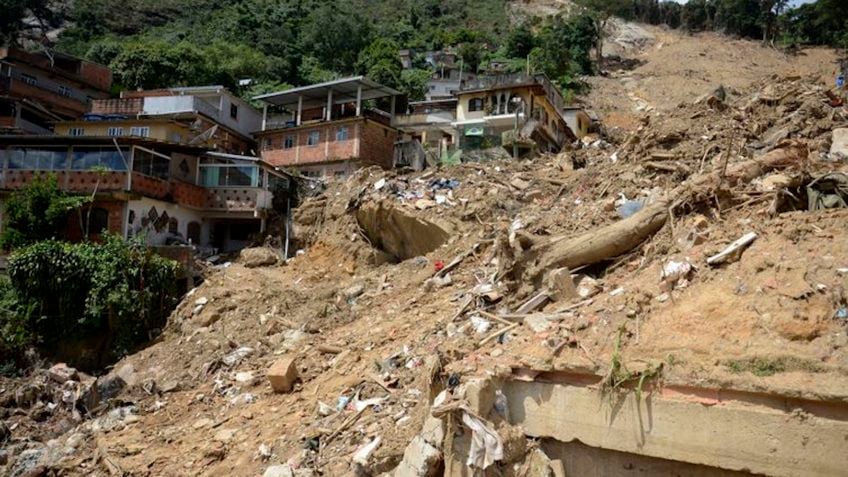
[160,129]
[495,110]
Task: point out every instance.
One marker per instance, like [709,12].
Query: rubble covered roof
[315,96]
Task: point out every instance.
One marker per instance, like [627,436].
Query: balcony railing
[122,106]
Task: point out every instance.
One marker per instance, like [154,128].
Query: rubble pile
[681,253]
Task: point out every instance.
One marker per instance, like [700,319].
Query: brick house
[169,193]
[324,130]
[37,89]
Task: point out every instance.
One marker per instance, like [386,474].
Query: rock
[258,257]
[27,395]
[282,375]
[26,463]
[775,182]
[354,292]
[519,183]
[537,323]
[278,471]
[225,435]
[586,286]
[5,432]
[201,423]
[236,356]
[839,144]
[201,301]
[61,372]
[420,459]
[480,394]
[245,377]
[561,285]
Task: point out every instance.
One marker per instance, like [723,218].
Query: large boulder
[258,257]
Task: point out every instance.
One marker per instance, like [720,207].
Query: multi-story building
[208,116]
[37,89]
[167,192]
[326,130]
[523,113]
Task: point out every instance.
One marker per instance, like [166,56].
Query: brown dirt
[765,322]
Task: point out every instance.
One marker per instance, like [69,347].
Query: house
[326,129]
[578,120]
[209,116]
[37,89]
[167,192]
[430,123]
[523,113]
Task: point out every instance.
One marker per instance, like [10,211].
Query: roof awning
[315,96]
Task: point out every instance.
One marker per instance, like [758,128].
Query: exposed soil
[384,323]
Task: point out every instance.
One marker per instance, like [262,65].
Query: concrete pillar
[264,115]
[329,105]
[359,100]
[392,108]
[299,110]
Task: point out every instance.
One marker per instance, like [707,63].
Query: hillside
[653,336]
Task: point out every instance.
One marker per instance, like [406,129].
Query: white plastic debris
[480,324]
[201,301]
[364,453]
[733,250]
[486,446]
[379,184]
[365,403]
[236,356]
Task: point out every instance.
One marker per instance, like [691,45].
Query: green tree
[471,54]
[156,64]
[520,41]
[603,11]
[414,83]
[380,62]
[37,212]
[335,34]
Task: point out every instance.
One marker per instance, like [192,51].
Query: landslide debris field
[412,284]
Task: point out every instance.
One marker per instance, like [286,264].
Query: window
[65,91]
[177,138]
[229,176]
[339,174]
[29,79]
[314,138]
[234,111]
[151,164]
[341,134]
[41,159]
[475,104]
[267,143]
[76,132]
[98,220]
[140,131]
[288,143]
[115,131]
[173,226]
[86,158]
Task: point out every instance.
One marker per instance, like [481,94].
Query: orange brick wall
[378,144]
[73,229]
[375,144]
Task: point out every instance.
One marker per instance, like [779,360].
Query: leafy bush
[68,293]
[37,212]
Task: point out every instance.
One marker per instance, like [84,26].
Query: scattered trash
[480,324]
[379,184]
[630,207]
[676,273]
[236,356]
[486,445]
[734,250]
[364,453]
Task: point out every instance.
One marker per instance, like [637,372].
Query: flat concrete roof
[315,96]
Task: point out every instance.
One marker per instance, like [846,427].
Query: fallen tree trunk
[625,235]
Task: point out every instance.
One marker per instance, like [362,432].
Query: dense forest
[274,43]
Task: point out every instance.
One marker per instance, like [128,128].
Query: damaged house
[329,129]
[207,116]
[523,113]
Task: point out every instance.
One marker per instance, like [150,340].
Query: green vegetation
[762,366]
[104,298]
[38,212]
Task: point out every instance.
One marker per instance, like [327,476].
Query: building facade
[515,111]
[37,89]
[324,130]
[208,116]
[168,193]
